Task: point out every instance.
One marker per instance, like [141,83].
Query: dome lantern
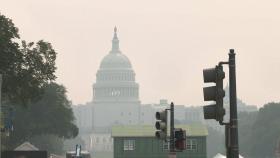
[115,42]
[115,59]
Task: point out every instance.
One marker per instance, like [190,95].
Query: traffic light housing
[161,124]
[214,93]
[180,139]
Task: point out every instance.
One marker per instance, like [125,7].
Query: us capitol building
[116,102]
[115,93]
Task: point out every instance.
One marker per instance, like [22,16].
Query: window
[191,144]
[129,145]
[166,145]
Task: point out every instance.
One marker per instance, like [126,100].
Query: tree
[52,115]
[266,131]
[25,67]
[245,125]
[28,79]
[260,131]
[215,142]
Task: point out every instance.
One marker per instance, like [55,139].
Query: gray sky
[168,42]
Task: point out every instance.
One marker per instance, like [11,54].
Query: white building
[101,142]
[115,93]
[83,115]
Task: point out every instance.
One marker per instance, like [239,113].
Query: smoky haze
[169,43]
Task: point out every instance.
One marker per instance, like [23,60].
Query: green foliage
[26,68]
[51,115]
[245,124]
[259,132]
[28,74]
[9,51]
[267,131]
[215,142]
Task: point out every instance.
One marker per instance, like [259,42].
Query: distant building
[147,111]
[115,101]
[100,142]
[140,142]
[179,112]
[193,114]
[84,117]
[182,114]
[115,93]
[147,114]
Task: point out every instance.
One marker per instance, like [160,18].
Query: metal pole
[172,145]
[227,140]
[0,113]
[234,151]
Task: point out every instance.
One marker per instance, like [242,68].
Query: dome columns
[111,92]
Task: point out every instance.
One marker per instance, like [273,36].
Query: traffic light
[214,93]
[180,139]
[161,125]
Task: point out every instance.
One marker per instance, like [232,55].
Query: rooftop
[149,131]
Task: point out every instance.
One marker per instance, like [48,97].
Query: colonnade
[116,92]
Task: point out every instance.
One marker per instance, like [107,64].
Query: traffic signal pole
[227,142]
[216,111]
[234,150]
[231,128]
[177,137]
[0,114]
[172,141]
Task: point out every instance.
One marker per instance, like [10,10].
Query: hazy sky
[168,42]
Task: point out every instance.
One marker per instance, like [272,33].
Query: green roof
[149,131]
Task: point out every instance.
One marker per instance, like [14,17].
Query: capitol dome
[115,59]
[115,79]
